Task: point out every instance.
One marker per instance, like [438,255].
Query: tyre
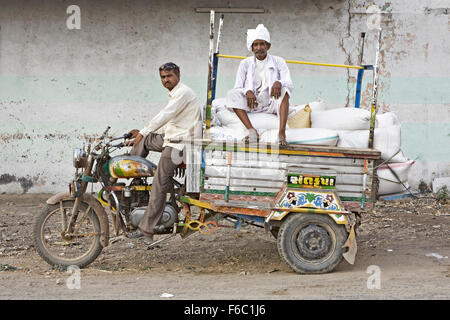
[79,248]
[311,243]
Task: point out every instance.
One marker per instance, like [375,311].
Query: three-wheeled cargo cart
[309,197]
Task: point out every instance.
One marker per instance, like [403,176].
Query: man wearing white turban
[263,84]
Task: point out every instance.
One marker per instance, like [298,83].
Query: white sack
[353,139]
[341,119]
[318,105]
[223,116]
[228,118]
[216,106]
[386,139]
[322,137]
[261,121]
[386,120]
[222,133]
[388,183]
[389,141]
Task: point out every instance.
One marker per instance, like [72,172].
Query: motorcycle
[73,227]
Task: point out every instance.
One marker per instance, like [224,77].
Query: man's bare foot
[282,139]
[252,136]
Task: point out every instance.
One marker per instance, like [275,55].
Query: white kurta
[259,77]
[262,79]
[181,117]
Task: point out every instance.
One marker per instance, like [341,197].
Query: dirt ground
[407,241]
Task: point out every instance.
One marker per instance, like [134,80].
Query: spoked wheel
[55,246]
[311,243]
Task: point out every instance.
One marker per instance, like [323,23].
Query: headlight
[79,158]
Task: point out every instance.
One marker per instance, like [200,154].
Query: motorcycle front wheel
[55,246]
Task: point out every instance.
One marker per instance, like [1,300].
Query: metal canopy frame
[214,63]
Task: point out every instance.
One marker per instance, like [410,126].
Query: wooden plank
[252,156]
[234,197]
[314,149]
[284,162]
[244,182]
[242,172]
[243,189]
[212,169]
[356,180]
[349,188]
[245,204]
[340,188]
[346,196]
[209,144]
[350,194]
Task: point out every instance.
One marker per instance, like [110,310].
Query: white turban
[260,33]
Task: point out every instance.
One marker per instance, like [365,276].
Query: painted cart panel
[256,175]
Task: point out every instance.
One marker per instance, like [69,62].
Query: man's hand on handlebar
[136,136]
[133,133]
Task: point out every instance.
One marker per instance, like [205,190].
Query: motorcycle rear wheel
[80,248]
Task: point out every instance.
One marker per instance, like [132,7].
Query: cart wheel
[311,243]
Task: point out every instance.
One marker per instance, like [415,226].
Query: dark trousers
[162,181]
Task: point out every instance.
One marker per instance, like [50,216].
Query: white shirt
[181,117]
[277,69]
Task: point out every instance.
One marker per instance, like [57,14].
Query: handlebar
[125,136]
[122,144]
[108,144]
[119,145]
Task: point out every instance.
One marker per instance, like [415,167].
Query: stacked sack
[314,123]
[227,126]
[353,129]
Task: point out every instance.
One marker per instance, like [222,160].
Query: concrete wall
[58,86]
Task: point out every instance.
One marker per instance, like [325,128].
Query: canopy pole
[206,134]
[219,33]
[373,110]
[360,71]
[216,59]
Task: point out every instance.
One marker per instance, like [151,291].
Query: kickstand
[174,233]
[118,238]
[161,240]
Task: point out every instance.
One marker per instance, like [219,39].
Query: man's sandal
[282,142]
[247,139]
[252,137]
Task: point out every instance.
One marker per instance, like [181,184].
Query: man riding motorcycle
[181,119]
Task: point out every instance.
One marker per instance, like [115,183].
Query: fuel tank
[130,167]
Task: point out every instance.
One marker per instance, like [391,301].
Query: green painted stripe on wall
[148,89]
[426,141]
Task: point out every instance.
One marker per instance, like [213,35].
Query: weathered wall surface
[58,86]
